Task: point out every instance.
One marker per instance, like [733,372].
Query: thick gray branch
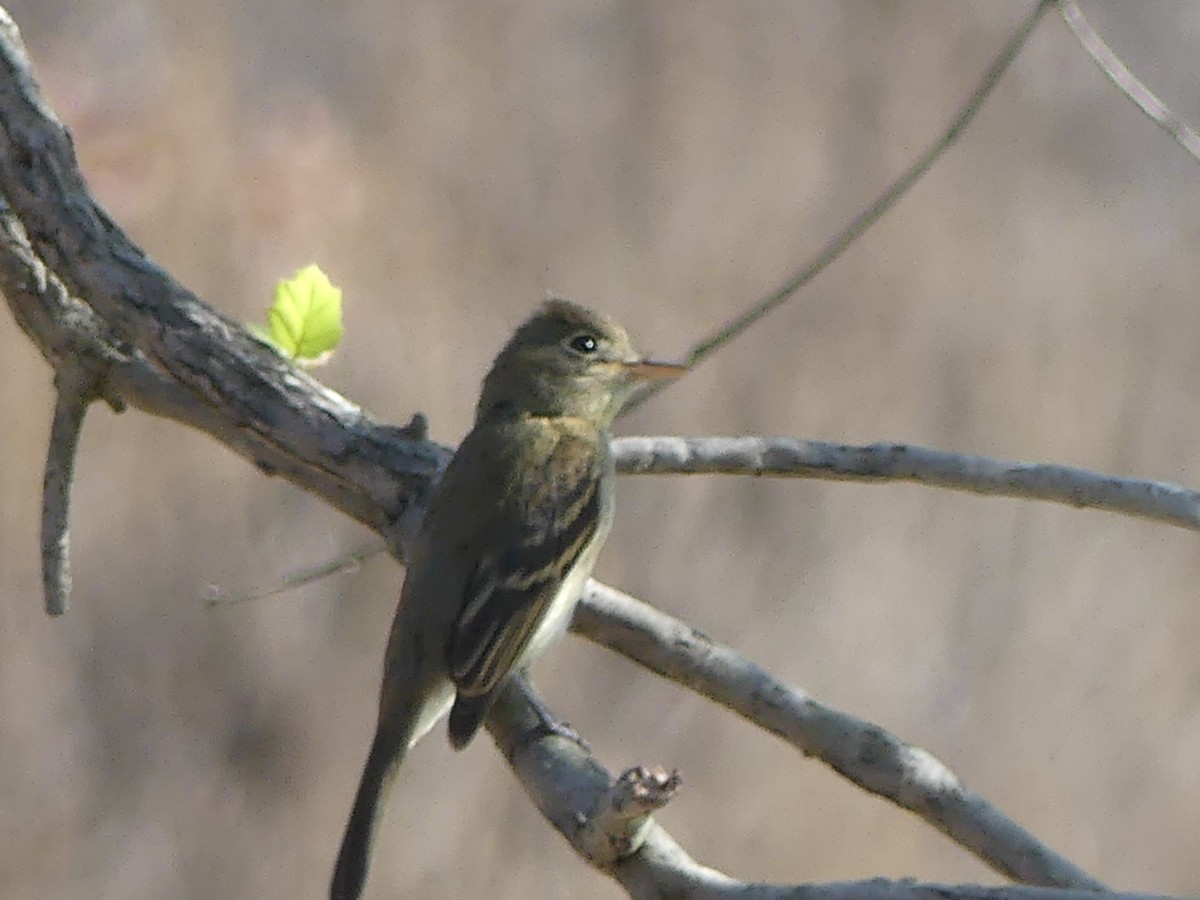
[162,349]
[792,458]
[860,751]
[572,789]
[88,297]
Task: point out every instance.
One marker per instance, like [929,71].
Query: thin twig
[77,388]
[343,563]
[1126,82]
[860,751]
[788,457]
[182,360]
[882,462]
[838,244]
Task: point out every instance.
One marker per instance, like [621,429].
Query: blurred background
[448,163]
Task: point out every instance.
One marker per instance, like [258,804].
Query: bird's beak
[649,370]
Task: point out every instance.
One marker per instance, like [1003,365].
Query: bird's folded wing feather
[552,516]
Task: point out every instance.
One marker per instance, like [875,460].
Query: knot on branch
[620,820]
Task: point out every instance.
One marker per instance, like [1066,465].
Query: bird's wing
[550,522]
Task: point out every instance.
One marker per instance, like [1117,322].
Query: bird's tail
[383,762]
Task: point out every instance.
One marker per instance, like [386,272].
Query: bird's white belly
[558,617]
[436,705]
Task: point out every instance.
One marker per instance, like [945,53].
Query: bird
[506,546]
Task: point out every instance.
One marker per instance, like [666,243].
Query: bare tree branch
[1126,82]
[160,348]
[76,391]
[858,226]
[792,458]
[89,297]
[880,462]
[863,752]
[572,790]
[81,348]
[343,563]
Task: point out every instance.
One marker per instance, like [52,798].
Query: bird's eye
[583,343]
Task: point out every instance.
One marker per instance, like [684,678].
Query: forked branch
[860,751]
[116,326]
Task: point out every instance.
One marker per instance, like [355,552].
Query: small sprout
[305,321]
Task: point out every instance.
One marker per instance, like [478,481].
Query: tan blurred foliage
[447,163]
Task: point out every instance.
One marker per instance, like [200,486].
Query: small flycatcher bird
[507,544]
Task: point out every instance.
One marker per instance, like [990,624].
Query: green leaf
[305,322]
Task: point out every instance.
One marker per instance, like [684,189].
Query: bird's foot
[552,727]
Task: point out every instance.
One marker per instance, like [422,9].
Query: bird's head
[567,360]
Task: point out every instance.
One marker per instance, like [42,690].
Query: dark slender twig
[838,244]
[174,356]
[833,248]
[342,563]
[1126,82]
